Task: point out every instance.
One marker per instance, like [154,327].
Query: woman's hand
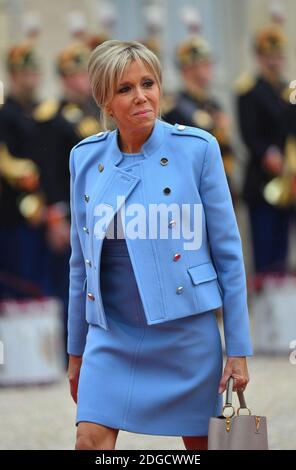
[73,374]
[235,367]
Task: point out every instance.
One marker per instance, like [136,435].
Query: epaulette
[46,110]
[72,112]
[180,129]
[93,138]
[244,84]
[286,93]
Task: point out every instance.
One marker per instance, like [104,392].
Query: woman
[143,336]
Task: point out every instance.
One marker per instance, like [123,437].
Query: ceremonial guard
[194,106]
[68,119]
[60,124]
[263,104]
[22,245]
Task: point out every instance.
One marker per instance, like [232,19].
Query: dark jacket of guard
[17,134]
[59,125]
[262,114]
[202,113]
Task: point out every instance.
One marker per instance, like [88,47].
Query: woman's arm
[226,250]
[77,324]
[73,374]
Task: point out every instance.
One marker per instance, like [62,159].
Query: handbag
[240,432]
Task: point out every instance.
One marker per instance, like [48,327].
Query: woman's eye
[148,83]
[124,89]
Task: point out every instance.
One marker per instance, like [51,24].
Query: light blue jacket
[170,286]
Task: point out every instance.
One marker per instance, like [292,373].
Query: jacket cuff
[239,349]
[76,348]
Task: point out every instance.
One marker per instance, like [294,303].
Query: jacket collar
[150,146]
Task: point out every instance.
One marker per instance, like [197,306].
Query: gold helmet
[74,58]
[270,39]
[192,51]
[22,57]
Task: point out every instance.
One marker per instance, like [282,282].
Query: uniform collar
[150,146]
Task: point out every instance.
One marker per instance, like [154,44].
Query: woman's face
[136,101]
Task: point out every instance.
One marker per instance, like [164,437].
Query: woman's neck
[132,142]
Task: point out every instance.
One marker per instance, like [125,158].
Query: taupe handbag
[241,432]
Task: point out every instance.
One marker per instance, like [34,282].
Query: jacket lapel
[121,183]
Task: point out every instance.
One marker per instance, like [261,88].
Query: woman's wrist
[73,356]
[236,357]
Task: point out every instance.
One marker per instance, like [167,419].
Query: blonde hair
[107,64]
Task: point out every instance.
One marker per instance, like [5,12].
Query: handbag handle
[241,398]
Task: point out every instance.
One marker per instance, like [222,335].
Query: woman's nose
[140,96]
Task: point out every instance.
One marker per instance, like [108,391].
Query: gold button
[90,296]
[164,161]
[101,167]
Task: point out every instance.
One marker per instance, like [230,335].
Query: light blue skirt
[157,379]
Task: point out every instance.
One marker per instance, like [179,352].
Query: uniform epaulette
[286,93]
[93,138]
[244,84]
[46,110]
[180,129]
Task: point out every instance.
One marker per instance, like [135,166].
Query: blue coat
[183,165]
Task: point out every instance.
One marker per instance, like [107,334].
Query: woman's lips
[145,111]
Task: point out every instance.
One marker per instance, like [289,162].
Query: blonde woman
[144,345]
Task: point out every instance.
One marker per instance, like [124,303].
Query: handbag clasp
[232,411]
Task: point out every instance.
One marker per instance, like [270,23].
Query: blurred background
[228,67]
[228,25]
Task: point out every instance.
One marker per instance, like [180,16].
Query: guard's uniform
[196,107]
[59,125]
[23,256]
[262,110]
[203,112]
